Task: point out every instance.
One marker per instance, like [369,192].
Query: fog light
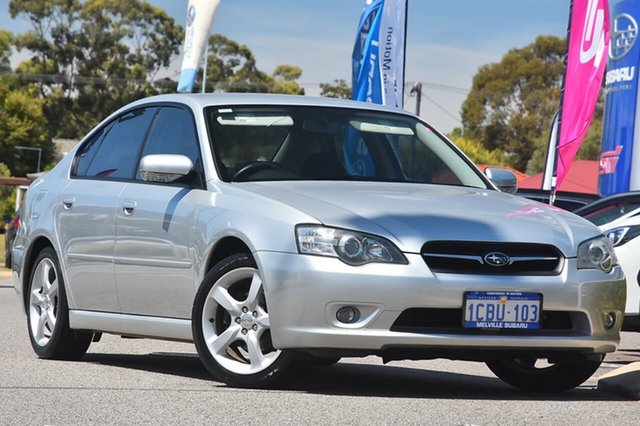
[609,320]
[348,314]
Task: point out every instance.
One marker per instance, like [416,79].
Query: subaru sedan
[275,232]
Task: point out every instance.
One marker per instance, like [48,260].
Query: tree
[22,121]
[6,41]
[512,103]
[231,67]
[284,80]
[339,89]
[7,195]
[478,153]
[95,55]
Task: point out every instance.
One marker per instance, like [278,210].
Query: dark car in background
[11,228]
[570,201]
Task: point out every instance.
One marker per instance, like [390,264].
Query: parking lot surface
[127,381]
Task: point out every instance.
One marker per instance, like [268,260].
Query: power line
[442,108]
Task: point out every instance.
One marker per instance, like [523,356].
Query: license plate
[503,310]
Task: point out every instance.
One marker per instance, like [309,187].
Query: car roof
[202,100]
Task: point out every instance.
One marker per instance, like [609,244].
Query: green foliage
[284,80]
[99,54]
[512,103]
[7,196]
[231,67]
[6,41]
[478,153]
[339,89]
[22,123]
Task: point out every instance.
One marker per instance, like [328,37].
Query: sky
[447,40]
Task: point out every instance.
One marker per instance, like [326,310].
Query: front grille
[443,321]
[471,257]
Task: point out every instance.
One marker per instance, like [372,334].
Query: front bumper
[304,292]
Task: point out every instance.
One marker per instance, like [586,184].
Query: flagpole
[204,68]
[552,195]
[404,47]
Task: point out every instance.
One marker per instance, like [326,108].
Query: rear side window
[113,152]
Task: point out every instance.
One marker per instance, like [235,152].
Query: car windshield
[611,212]
[322,143]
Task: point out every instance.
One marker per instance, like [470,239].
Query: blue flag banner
[366,66]
[619,161]
[378,54]
[377,69]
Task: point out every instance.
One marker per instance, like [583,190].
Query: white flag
[199,19]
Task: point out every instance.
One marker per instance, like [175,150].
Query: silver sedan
[276,232]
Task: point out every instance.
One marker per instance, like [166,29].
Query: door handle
[67,203]
[128,207]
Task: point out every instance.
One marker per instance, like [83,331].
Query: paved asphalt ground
[125,382]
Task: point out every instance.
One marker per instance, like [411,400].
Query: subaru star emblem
[623,36]
[191,15]
[497,259]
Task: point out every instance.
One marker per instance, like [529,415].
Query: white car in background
[618,216]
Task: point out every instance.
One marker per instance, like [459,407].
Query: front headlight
[597,253]
[623,234]
[353,248]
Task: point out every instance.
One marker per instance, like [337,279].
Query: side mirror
[164,168]
[504,179]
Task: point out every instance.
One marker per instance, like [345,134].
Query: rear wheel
[48,313]
[537,375]
[232,330]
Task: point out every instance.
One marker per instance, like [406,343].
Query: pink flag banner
[586,61]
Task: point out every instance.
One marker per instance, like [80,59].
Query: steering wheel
[255,167]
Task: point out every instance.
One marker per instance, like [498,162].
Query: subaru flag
[377,70]
[586,61]
[379,51]
[620,159]
[199,19]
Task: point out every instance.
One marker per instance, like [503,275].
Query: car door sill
[132,325]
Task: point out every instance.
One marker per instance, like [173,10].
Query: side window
[88,151]
[174,132]
[117,150]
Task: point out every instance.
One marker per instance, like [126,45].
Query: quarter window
[114,151]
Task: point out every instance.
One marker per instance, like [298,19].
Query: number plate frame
[511,318]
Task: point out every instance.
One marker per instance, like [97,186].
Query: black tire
[48,312]
[234,340]
[524,374]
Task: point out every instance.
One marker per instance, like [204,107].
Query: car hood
[412,214]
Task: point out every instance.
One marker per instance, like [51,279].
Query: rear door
[86,223]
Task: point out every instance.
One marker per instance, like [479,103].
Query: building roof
[581,177]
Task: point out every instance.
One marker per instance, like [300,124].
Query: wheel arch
[225,247]
[34,250]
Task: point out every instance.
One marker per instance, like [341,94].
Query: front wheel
[48,314]
[232,330]
[536,375]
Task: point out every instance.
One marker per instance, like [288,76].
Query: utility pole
[417,91]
